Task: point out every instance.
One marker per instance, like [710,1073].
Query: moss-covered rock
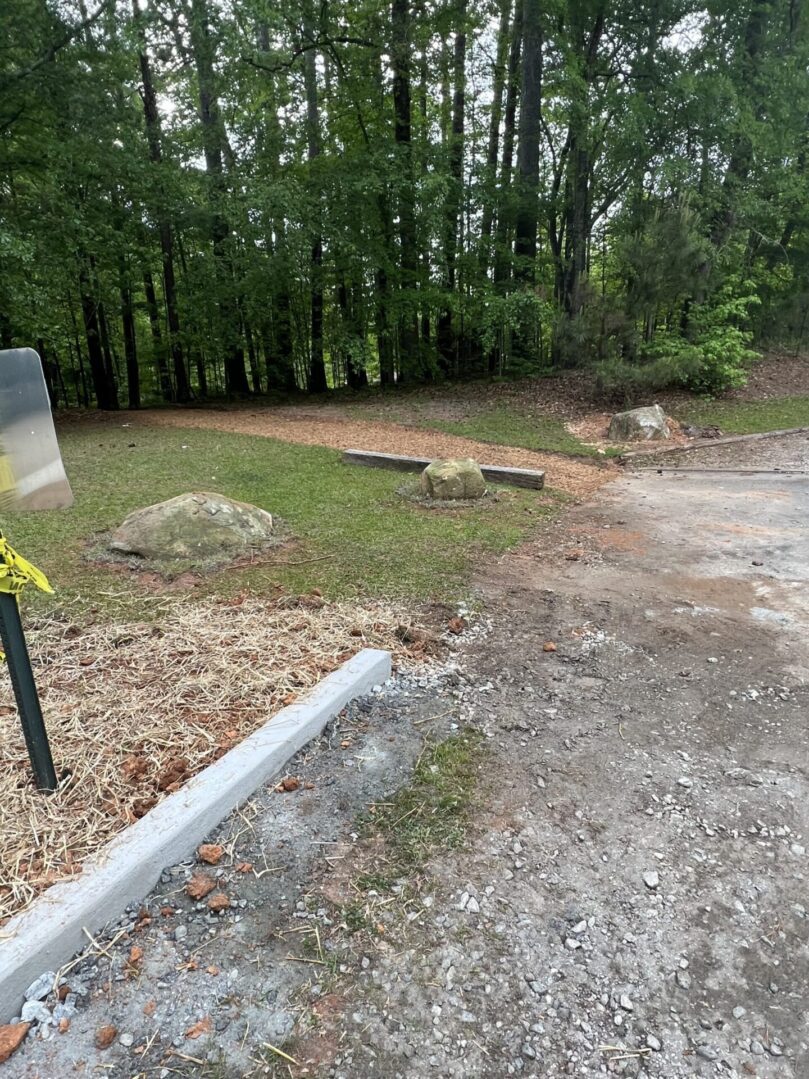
[196,527]
[453,478]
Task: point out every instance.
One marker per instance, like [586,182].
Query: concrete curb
[709,443]
[48,934]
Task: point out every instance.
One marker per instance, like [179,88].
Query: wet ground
[631,895]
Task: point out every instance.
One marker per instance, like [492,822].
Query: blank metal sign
[32,476]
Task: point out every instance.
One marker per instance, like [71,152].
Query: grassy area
[430,812]
[510,428]
[368,540]
[748,417]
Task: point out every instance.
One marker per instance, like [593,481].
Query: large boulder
[453,478]
[639,424]
[200,527]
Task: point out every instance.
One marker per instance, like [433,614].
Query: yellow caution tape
[16,571]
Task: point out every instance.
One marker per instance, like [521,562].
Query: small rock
[472,905]
[797,848]
[211,853]
[651,878]
[707,1052]
[653,1043]
[218,902]
[684,781]
[572,944]
[529,1051]
[757,1049]
[34,1011]
[200,885]
[775,1049]
[39,989]
[105,1036]
[11,1037]
[127,1040]
[739,1011]
[683,979]
[181,932]
[626,1003]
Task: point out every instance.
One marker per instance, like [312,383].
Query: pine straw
[134,710]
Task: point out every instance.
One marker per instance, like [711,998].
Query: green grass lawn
[374,542]
[748,417]
[507,427]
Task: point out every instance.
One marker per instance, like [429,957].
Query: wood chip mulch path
[574,477]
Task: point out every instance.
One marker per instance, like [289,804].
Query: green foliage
[712,357]
[673,187]
[718,355]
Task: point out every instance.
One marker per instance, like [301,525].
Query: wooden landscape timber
[511,477]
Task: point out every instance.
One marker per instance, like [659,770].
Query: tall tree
[401,46]
[317,366]
[213,139]
[446,338]
[181,390]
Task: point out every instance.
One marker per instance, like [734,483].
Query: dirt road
[631,894]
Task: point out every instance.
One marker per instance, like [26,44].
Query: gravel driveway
[630,897]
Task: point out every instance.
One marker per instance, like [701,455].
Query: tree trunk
[100,375]
[572,271]
[151,115]
[130,346]
[400,58]
[502,260]
[212,140]
[317,366]
[384,344]
[82,397]
[525,232]
[493,144]
[445,335]
[158,351]
[280,357]
[46,373]
[252,356]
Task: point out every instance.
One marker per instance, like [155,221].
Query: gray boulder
[639,424]
[453,478]
[199,527]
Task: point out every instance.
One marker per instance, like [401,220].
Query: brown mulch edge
[575,477]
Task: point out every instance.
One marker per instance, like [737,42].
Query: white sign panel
[32,476]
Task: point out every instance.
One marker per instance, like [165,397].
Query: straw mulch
[134,710]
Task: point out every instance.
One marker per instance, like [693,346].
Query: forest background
[206,198]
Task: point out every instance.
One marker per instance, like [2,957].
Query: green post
[25,692]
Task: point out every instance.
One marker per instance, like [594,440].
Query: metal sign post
[32,477]
[25,692]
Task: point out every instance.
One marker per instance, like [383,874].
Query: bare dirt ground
[307,425]
[630,897]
